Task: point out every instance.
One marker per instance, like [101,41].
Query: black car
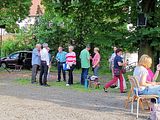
[23,58]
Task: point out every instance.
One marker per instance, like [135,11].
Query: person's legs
[34,73]
[107,85]
[85,73]
[59,72]
[124,83]
[64,73]
[96,71]
[82,76]
[45,74]
[69,77]
[41,74]
[71,74]
[121,83]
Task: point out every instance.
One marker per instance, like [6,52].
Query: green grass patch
[23,81]
[76,86]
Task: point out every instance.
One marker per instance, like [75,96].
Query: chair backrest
[134,84]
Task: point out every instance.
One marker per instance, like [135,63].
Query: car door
[12,60]
[27,62]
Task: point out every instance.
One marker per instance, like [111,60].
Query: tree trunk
[145,48]
[145,44]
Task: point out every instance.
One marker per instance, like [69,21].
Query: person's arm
[57,57]
[143,81]
[157,73]
[35,52]
[88,56]
[47,57]
[122,64]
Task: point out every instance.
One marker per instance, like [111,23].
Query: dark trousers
[60,68]
[84,75]
[34,72]
[70,74]
[43,73]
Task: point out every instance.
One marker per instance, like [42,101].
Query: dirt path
[32,102]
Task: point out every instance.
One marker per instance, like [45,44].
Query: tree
[147,38]
[12,11]
[99,22]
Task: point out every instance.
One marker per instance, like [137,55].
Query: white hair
[37,45]
[45,45]
[71,47]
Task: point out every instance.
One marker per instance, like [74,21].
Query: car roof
[22,52]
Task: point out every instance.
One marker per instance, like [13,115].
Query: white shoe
[116,87]
[67,84]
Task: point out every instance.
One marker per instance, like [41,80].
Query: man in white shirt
[44,65]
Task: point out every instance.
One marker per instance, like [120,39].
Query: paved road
[30,102]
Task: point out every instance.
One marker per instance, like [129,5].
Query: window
[14,56]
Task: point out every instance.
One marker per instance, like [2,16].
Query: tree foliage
[20,41]
[12,11]
[102,23]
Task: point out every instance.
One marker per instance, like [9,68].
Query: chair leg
[141,104]
[132,105]
[138,107]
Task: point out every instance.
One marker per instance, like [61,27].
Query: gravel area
[30,102]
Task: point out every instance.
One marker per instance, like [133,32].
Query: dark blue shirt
[116,60]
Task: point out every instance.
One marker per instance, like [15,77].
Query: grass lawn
[77,86]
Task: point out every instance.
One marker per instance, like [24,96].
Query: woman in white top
[141,73]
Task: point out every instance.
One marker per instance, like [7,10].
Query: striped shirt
[71,58]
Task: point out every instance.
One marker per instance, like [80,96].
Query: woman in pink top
[151,77]
[95,61]
[71,61]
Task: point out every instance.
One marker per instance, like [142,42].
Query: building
[36,10]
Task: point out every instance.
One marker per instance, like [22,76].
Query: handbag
[123,70]
[66,66]
[117,72]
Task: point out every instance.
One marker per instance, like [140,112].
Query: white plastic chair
[136,97]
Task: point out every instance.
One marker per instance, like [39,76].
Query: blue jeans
[84,75]
[95,70]
[60,68]
[152,90]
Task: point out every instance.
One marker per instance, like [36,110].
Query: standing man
[35,62]
[44,65]
[61,59]
[85,63]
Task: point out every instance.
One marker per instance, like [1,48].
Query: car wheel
[4,65]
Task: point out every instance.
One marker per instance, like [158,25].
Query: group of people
[42,59]
[147,79]
[143,73]
[145,76]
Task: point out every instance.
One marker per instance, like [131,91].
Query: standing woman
[118,64]
[71,61]
[95,61]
